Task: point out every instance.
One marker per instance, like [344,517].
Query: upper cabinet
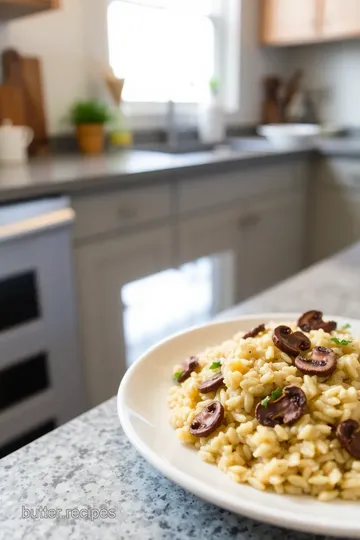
[341,19]
[291,22]
[13,9]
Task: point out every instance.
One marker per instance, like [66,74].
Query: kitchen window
[165,49]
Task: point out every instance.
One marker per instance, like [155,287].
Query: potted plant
[89,118]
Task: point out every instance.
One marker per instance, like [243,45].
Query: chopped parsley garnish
[177,375]
[341,341]
[346,326]
[215,365]
[275,394]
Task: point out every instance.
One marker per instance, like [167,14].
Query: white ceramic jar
[14,142]
[211,121]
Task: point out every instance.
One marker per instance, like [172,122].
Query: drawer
[121,209]
[204,192]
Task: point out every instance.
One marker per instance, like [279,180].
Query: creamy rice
[302,458]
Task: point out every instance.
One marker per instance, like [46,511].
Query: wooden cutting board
[24,72]
[12,105]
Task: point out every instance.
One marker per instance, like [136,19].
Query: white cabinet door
[103,268]
[272,245]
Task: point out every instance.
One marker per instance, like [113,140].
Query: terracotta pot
[91,138]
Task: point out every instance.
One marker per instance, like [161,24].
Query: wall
[58,37]
[255,63]
[333,67]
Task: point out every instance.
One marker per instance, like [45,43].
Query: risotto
[276,408]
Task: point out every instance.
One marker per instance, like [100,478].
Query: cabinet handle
[249,221]
[127,212]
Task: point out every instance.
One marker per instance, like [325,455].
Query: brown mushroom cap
[312,320]
[255,331]
[285,410]
[211,384]
[189,365]
[290,342]
[348,433]
[322,362]
[210,418]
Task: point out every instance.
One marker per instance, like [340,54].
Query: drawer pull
[127,212]
[249,221]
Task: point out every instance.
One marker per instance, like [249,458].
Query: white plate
[144,415]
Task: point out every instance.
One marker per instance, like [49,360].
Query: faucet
[172,134]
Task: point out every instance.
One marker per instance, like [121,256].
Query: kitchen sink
[238,144]
[249,144]
[183,147]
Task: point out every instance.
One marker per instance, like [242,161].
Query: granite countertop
[89,463]
[68,174]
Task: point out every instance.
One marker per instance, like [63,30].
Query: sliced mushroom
[255,331]
[348,433]
[189,365]
[322,362]
[312,320]
[291,343]
[285,410]
[210,418]
[211,384]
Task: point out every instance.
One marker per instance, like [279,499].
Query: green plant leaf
[177,375]
[90,112]
[346,326]
[265,402]
[341,342]
[275,394]
[215,365]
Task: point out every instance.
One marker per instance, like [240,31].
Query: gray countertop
[69,174]
[89,463]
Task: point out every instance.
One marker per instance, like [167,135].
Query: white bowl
[290,136]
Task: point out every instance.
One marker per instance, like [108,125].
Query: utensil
[144,416]
[14,141]
[271,109]
[291,88]
[25,73]
[114,85]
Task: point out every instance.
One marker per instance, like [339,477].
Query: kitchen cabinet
[335,215]
[247,223]
[103,268]
[266,239]
[13,9]
[272,243]
[294,21]
[340,19]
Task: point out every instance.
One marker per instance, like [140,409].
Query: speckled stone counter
[89,464]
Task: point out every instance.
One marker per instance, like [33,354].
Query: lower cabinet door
[208,234]
[103,269]
[272,246]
